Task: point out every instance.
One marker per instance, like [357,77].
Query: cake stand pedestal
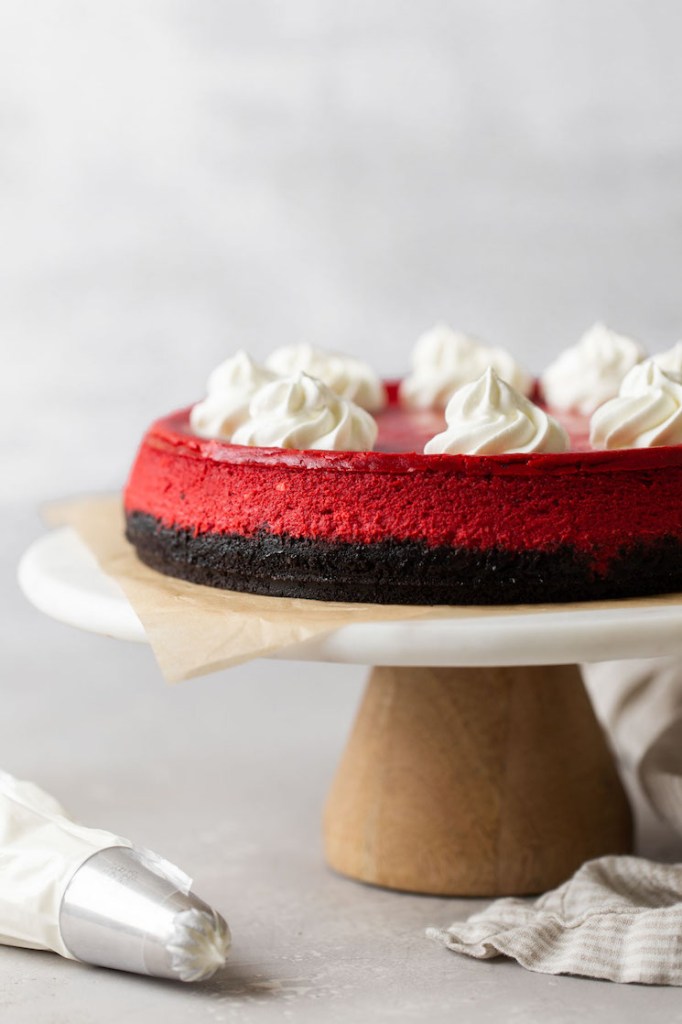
[474,782]
[460,777]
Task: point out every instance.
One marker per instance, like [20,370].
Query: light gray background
[181,178]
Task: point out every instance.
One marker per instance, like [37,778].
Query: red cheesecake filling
[596,503]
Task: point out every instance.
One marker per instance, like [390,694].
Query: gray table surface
[227,776]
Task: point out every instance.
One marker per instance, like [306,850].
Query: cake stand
[476,766]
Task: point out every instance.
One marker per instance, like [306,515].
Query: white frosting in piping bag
[590,372]
[646,413]
[350,378]
[40,851]
[198,944]
[488,417]
[91,895]
[231,387]
[301,412]
[443,360]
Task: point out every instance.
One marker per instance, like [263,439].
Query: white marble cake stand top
[62,579]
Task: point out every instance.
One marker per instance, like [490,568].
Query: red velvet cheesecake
[398,526]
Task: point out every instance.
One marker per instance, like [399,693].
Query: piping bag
[90,895]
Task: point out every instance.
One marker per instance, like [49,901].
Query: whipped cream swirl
[591,371]
[301,412]
[231,387]
[488,417]
[348,377]
[443,360]
[646,413]
[671,360]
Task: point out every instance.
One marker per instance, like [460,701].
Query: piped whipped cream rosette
[646,413]
[303,413]
[443,360]
[591,371]
[348,377]
[230,388]
[489,417]
[670,360]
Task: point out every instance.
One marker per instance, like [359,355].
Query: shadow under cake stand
[476,765]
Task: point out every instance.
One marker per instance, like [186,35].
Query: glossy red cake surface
[430,528]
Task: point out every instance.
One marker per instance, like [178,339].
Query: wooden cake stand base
[474,782]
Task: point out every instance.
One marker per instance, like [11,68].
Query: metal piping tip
[120,912]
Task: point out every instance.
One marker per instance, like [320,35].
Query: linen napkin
[635,701]
[639,704]
[618,918]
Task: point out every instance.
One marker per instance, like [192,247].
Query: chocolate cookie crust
[400,572]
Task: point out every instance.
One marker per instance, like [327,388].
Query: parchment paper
[194,630]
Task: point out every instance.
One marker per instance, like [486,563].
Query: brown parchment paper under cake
[194,630]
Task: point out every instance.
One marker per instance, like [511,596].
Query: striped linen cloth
[618,918]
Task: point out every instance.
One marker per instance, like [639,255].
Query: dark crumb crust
[400,572]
